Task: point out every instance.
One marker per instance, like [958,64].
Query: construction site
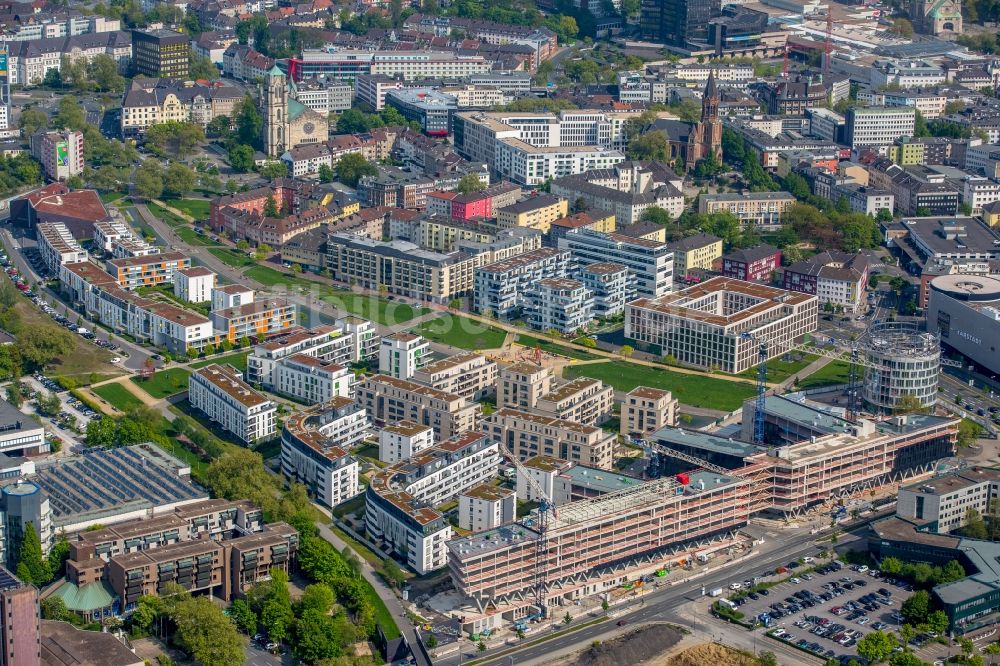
[789,455]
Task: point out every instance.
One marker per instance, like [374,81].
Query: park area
[831,374]
[696,390]
[164,383]
[117,396]
[461,332]
[238,360]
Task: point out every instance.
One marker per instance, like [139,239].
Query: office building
[965,311]
[486,507]
[399,501]
[160,53]
[20,436]
[650,263]
[347,65]
[679,22]
[874,126]
[402,354]
[403,440]
[645,410]
[718,323]
[527,434]
[468,374]
[431,109]
[221,394]
[61,153]
[315,446]
[390,400]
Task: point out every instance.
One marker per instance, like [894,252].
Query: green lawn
[165,215]
[778,370]
[552,347]
[238,360]
[196,208]
[831,374]
[117,396]
[269,277]
[110,197]
[695,390]
[461,332]
[164,383]
[231,257]
[192,237]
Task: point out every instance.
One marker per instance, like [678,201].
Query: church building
[693,142]
[287,122]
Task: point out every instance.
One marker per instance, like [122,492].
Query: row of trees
[921,574]
[34,346]
[153,181]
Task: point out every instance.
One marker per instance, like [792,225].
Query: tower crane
[545,505]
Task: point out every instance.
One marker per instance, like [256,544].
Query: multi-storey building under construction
[631,528]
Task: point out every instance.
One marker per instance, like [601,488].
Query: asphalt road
[666,605]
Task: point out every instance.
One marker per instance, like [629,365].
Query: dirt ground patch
[642,646]
[708,653]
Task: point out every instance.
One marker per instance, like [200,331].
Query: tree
[241,158]
[270,207]
[32,567]
[178,180]
[144,614]
[627,351]
[876,646]
[352,167]
[325,173]
[656,215]
[273,169]
[70,115]
[318,597]
[149,180]
[968,432]
[975,526]
[767,659]
[902,27]
[938,621]
[39,345]
[470,182]
[567,618]
[905,659]
[102,70]
[244,616]
[200,67]
[32,120]
[101,432]
[650,146]
[432,641]
[276,611]
[14,395]
[262,251]
[203,631]
[917,607]
[249,123]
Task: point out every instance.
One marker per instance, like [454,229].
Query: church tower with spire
[710,128]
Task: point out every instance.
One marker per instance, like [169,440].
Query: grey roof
[752,196]
[693,242]
[152,92]
[705,441]
[932,233]
[62,643]
[530,204]
[807,415]
[37,47]
[823,265]
[752,254]
[12,419]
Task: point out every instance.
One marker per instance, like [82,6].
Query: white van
[735,586]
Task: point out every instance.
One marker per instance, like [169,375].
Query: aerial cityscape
[577,333]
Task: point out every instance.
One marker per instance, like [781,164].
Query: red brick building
[755,264]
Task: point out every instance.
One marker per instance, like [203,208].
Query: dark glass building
[678,22]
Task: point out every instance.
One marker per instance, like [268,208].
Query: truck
[717,592]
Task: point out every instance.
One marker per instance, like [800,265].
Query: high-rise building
[161,53]
[677,22]
[61,153]
[20,626]
[4,89]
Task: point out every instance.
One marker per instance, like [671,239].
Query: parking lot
[828,611]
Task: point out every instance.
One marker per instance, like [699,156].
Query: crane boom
[666,451]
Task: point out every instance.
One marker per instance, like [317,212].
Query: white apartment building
[372,89]
[312,380]
[559,304]
[609,284]
[324,98]
[541,472]
[231,296]
[522,385]
[314,449]
[347,341]
[57,246]
[116,238]
[402,354]
[502,287]
[581,400]
[835,278]
[486,507]
[194,285]
[651,263]
[221,394]
[402,441]
[878,126]
[469,374]
[399,499]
